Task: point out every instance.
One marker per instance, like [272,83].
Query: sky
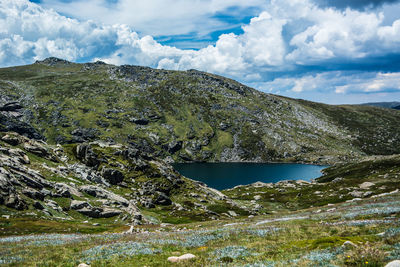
[331,51]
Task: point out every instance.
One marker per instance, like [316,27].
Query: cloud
[356,4]
[292,46]
[335,82]
[157,17]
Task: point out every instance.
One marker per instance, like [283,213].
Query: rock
[52,204]
[12,139]
[76,204]
[232,213]
[395,263]
[257,207]
[15,202]
[366,185]
[66,190]
[90,212]
[348,245]
[38,205]
[173,147]
[107,213]
[45,192]
[367,194]
[139,121]
[10,124]
[162,199]
[130,231]
[111,175]
[356,194]
[99,192]
[82,135]
[337,180]
[11,106]
[354,199]
[257,197]
[83,265]
[184,257]
[36,149]
[147,203]
[32,193]
[84,152]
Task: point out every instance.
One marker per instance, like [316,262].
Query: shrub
[365,255]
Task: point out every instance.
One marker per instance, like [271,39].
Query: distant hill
[395,104]
[188,115]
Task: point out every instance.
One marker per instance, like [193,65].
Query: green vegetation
[284,239]
[214,118]
[77,200]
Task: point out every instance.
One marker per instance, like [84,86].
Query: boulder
[184,257]
[52,204]
[139,121]
[76,204]
[10,124]
[395,263]
[38,205]
[162,199]
[36,149]
[83,265]
[15,202]
[113,176]
[82,135]
[232,213]
[99,192]
[32,193]
[84,153]
[12,139]
[11,106]
[107,213]
[90,212]
[356,194]
[366,185]
[173,147]
[147,203]
[8,195]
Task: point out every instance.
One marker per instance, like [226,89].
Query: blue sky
[322,50]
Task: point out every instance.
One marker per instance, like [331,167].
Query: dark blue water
[227,175]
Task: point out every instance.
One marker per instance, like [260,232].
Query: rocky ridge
[188,115]
[97,180]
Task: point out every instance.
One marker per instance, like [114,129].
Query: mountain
[384,104]
[188,115]
[96,141]
[87,148]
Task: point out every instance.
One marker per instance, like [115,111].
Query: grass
[315,241]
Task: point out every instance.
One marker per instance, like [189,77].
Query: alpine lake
[228,175]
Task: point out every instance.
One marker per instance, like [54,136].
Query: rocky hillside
[185,115]
[107,184]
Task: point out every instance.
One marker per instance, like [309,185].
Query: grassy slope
[304,238]
[190,107]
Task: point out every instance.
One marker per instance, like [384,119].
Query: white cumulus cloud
[286,37]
